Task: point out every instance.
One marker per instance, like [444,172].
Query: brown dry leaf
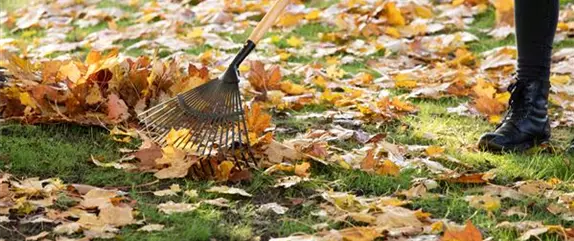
[172,191]
[116,215]
[468,178]
[355,234]
[469,233]
[276,208]
[369,161]
[398,217]
[148,156]
[117,109]
[67,228]
[264,80]
[38,236]
[171,207]
[97,198]
[178,168]
[276,152]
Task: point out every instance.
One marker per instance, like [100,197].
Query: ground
[65,151]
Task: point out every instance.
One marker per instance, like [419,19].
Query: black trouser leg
[526,123]
[536,22]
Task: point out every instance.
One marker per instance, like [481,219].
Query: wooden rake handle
[268,20]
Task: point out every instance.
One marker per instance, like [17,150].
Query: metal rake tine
[217,122]
[196,137]
[224,123]
[246,130]
[195,99]
[191,127]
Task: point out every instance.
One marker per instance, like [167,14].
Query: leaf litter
[107,87]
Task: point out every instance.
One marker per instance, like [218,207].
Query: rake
[213,112]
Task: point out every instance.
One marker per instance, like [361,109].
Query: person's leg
[526,123]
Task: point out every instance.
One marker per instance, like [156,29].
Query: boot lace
[519,101]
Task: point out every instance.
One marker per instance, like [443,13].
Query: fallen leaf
[172,207]
[151,227]
[469,233]
[302,169]
[276,208]
[117,109]
[229,190]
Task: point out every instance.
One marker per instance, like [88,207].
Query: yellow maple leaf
[393,32]
[484,89]
[224,169]
[394,15]
[423,12]
[335,72]
[70,71]
[434,151]
[502,97]
[275,39]
[559,79]
[320,81]
[313,15]
[288,20]
[292,89]
[331,97]
[27,100]
[295,42]
[178,136]
[405,81]
[196,33]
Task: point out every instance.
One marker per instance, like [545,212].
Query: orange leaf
[468,178]
[257,121]
[489,106]
[484,89]
[369,162]
[469,233]
[301,169]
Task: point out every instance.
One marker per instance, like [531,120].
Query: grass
[65,151]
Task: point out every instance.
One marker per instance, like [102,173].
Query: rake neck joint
[243,53]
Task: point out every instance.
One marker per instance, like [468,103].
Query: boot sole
[522,147]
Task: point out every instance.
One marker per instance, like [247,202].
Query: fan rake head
[213,121]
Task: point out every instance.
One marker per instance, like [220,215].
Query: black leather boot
[526,124]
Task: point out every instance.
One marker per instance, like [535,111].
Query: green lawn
[65,151]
